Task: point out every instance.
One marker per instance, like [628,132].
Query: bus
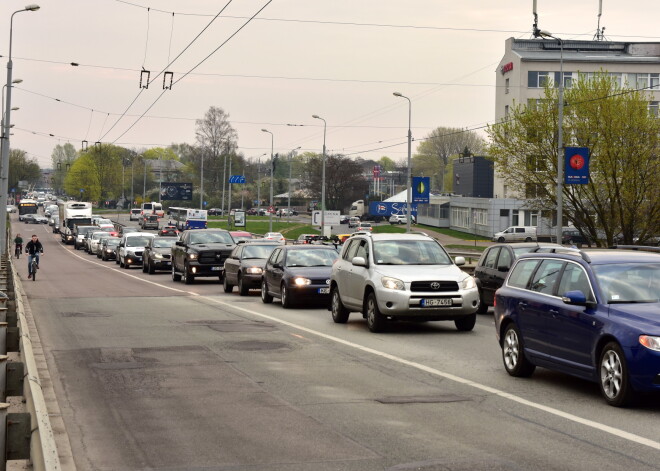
[27,207]
[155,208]
[187,218]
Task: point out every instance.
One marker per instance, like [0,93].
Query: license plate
[216,268]
[437,302]
[324,290]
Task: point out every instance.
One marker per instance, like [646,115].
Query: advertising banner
[576,165]
[176,191]
[239,218]
[386,209]
[421,189]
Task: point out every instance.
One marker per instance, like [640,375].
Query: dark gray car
[157,255]
[245,266]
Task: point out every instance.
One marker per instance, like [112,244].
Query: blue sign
[421,189]
[176,191]
[386,209]
[237,179]
[576,165]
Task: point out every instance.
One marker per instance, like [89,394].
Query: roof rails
[643,248]
[570,251]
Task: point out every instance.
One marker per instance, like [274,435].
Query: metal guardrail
[43,454]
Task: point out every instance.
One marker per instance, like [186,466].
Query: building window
[506,111]
[460,217]
[532,190]
[537,79]
[532,218]
[481,217]
[568,79]
[654,108]
[506,86]
[515,217]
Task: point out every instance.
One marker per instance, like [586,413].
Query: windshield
[311,258]
[163,243]
[203,237]
[258,251]
[137,241]
[410,252]
[112,242]
[629,282]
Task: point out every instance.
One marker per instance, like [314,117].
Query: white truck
[73,213]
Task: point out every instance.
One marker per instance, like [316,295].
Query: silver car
[401,277]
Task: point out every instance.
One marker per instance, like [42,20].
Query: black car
[298,274]
[574,238]
[245,266]
[214,212]
[109,248]
[157,255]
[494,265]
[201,252]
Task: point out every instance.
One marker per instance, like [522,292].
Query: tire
[513,353]
[483,307]
[150,269]
[265,297]
[187,277]
[144,266]
[466,324]
[500,240]
[242,289]
[614,381]
[528,239]
[126,265]
[227,287]
[175,276]
[375,320]
[339,312]
[287,303]
[121,264]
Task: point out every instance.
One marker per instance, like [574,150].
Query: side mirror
[277,265]
[460,261]
[359,262]
[577,298]
[179,243]
[503,268]
[120,245]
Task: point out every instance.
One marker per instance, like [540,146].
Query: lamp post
[560,135]
[4,171]
[325,126]
[408,173]
[288,204]
[270,212]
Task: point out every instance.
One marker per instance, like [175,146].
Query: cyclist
[34,248]
[18,240]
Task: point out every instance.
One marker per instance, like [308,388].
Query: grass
[466,248]
[455,234]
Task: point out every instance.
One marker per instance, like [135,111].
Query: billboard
[576,168]
[386,209]
[176,191]
[421,189]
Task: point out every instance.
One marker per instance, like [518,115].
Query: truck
[357,209]
[73,213]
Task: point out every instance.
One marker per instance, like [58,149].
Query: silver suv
[401,277]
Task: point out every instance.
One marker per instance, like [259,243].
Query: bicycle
[32,268]
[19,249]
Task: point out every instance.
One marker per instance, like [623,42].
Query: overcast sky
[340,59]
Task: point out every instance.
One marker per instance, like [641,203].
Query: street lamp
[270,212]
[288,205]
[408,173]
[560,136]
[4,171]
[325,126]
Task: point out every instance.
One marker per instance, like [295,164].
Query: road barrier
[27,434]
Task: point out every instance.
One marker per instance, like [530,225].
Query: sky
[339,59]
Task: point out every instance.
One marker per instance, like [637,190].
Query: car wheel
[466,324]
[375,320]
[287,303]
[187,277]
[500,240]
[103,257]
[175,276]
[614,381]
[483,307]
[265,297]
[339,312]
[121,264]
[150,269]
[513,353]
[528,239]
[242,289]
[144,266]
[227,287]
[126,265]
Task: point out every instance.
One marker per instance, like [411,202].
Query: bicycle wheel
[34,270]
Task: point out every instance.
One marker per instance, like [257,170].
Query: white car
[131,247]
[400,219]
[276,236]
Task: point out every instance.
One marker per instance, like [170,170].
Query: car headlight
[158,255]
[392,283]
[650,342]
[254,270]
[468,283]
[300,281]
[108,250]
[192,256]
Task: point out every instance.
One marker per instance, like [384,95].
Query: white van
[516,234]
[155,208]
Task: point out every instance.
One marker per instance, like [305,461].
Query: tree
[22,169]
[344,182]
[98,172]
[434,152]
[623,138]
[62,157]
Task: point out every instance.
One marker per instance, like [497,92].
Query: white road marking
[512,397]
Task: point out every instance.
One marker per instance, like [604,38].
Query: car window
[521,273]
[137,241]
[311,258]
[505,259]
[257,251]
[363,250]
[410,252]
[520,229]
[163,243]
[352,247]
[276,256]
[546,276]
[574,278]
[629,282]
[491,257]
[203,237]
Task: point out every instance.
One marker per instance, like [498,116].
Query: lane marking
[427,369]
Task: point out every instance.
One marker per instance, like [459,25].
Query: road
[153,374]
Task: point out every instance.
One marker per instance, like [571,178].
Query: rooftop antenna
[600,32]
[535,26]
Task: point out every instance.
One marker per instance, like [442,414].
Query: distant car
[591,314]
[201,252]
[573,237]
[168,231]
[29,218]
[11,209]
[398,219]
[353,221]
[131,248]
[135,214]
[39,219]
[109,248]
[343,219]
[241,236]
[251,212]
[158,255]
[276,236]
[93,241]
[494,264]
[305,238]
[245,266]
[214,212]
[365,227]
[298,274]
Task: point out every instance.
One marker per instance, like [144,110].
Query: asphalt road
[153,374]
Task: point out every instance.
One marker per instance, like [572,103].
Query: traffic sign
[237,179]
[331,218]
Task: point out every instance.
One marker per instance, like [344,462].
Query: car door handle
[522,304]
[554,312]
